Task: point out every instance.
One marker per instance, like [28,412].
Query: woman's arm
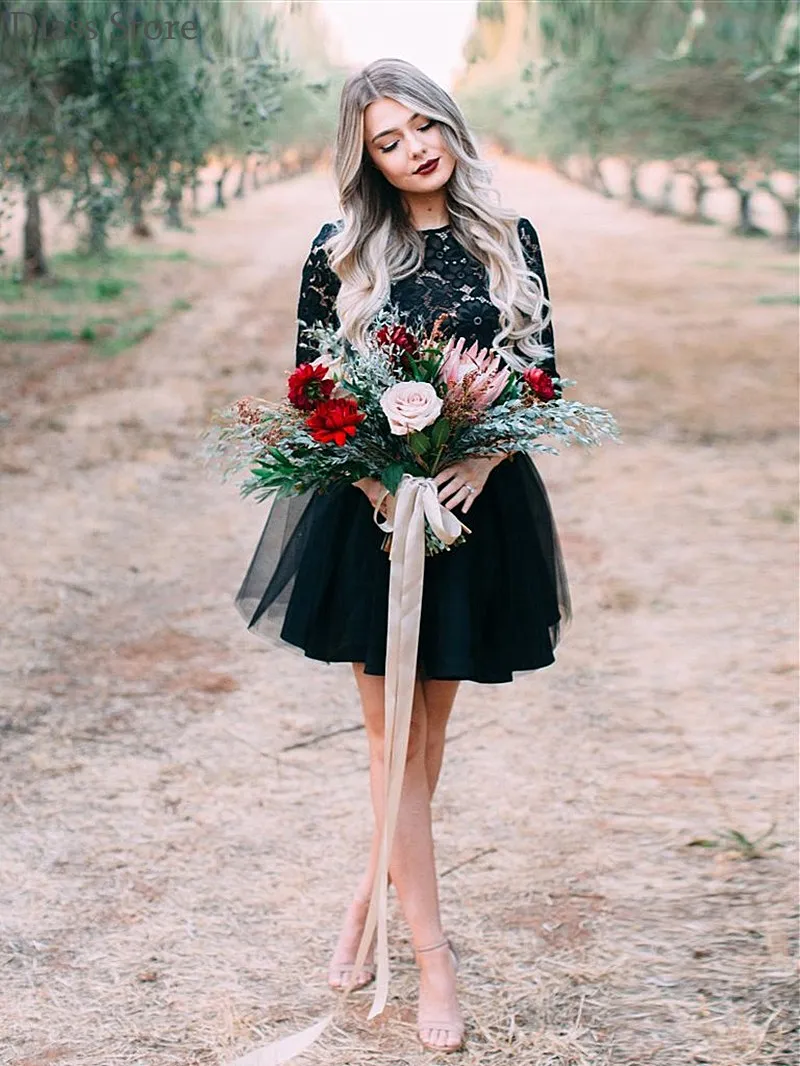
[316,305]
[532,252]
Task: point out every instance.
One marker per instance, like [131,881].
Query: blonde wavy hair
[378,244]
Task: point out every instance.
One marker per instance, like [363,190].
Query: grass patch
[736,842]
[740,264]
[11,291]
[119,256]
[109,288]
[102,302]
[785,515]
[129,333]
[21,326]
[790,298]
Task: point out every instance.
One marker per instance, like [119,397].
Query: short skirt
[492,606]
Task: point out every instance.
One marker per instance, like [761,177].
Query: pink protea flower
[489,374]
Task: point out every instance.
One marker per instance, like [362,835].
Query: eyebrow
[394,129]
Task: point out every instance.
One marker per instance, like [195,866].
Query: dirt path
[169,893]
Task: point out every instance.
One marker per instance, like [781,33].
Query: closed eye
[420,129]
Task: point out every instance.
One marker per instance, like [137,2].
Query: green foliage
[119,102]
[737,842]
[392,475]
[109,288]
[501,112]
[490,11]
[307,116]
[440,431]
[672,80]
[419,443]
[95,300]
[273,443]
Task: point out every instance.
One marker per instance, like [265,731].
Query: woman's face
[399,142]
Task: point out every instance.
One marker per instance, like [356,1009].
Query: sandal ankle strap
[432,947]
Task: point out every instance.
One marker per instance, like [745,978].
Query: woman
[421,230]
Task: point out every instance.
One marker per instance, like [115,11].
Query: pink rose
[410,406]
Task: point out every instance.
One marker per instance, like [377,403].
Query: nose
[415,145]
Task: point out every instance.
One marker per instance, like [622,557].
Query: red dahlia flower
[335,421]
[309,387]
[540,383]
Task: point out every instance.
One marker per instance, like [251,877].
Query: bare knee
[371,689]
[417,738]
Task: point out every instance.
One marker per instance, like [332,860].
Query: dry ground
[172,786]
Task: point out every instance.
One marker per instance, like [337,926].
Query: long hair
[378,244]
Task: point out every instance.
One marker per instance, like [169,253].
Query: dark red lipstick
[428,166]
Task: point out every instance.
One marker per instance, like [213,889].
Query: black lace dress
[319,579]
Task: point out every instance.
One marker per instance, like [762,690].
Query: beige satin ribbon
[417,498]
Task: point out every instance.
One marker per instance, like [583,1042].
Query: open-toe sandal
[343,970]
[339,973]
[453,1029]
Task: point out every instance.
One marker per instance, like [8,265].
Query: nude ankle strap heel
[440,944]
[427,1025]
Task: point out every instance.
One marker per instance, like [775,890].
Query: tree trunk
[98,211]
[140,226]
[598,182]
[242,175]
[174,219]
[745,226]
[701,190]
[256,180]
[664,205]
[195,186]
[34,263]
[220,200]
[792,213]
[97,235]
[635,197]
[586,172]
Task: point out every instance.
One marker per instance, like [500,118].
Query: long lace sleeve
[532,251]
[319,286]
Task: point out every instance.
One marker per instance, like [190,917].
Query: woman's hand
[473,471]
[372,487]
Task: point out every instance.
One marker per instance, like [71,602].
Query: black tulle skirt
[491,607]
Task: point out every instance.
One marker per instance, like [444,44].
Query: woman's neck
[426,211]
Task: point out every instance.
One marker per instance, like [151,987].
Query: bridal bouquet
[409,404]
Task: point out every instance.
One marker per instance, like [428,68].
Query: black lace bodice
[450,281]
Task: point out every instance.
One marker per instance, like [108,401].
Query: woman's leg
[438,697]
[411,862]
[413,865]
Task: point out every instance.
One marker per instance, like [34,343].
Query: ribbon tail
[287,1048]
[406,574]
[407,560]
